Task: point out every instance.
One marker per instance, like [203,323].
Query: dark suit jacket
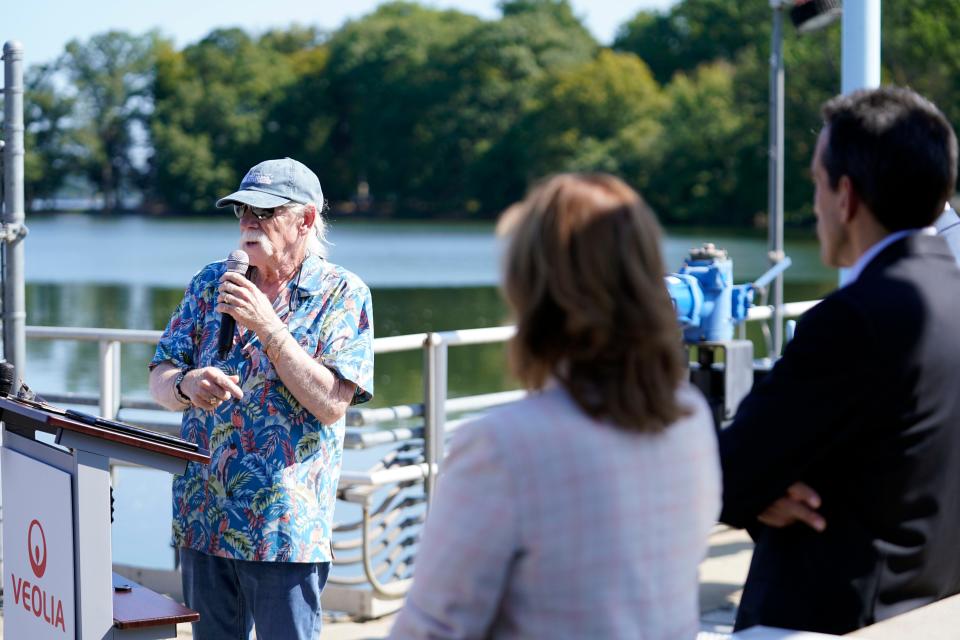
[864,407]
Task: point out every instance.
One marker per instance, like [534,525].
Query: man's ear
[309,217]
[849,200]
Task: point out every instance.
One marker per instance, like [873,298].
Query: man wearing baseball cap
[254,527]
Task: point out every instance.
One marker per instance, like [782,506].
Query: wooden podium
[58,578]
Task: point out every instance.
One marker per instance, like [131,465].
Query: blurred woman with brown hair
[583,510]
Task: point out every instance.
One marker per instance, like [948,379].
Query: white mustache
[255,235]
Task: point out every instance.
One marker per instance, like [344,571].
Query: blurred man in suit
[844,462]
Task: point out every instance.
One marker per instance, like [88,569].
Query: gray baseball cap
[273,183]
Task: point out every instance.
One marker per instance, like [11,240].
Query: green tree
[382,79]
[698,179]
[714,159]
[301,122]
[812,76]
[920,49]
[422,96]
[600,116]
[210,122]
[111,75]
[443,113]
[494,77]
[295,40]
[693,32]
[51,149]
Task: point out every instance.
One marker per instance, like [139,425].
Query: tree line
[415,111]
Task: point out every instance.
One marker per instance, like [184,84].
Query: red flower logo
[37,552]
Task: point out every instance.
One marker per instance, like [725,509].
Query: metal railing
[391,495]
[435,346]
[374,548]
[12,229]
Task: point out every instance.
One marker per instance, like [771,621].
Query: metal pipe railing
[86,334]
[13,230]
[109,378]
[387,534]
[434,345]
[775,171]
[790,310]
[434,407]
[396,413]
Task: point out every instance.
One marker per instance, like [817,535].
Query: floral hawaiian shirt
[270,488]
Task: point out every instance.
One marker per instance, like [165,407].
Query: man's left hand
[800,504]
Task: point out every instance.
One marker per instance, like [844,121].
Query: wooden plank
[140,607]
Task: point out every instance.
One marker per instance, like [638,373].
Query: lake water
[130,273]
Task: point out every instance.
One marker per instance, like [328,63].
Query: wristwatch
[177,391]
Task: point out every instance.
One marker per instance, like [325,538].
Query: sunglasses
[257,212]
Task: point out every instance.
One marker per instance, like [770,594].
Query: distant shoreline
[340,215]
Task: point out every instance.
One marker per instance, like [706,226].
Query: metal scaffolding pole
[860,53]
[775,175]
[14,307]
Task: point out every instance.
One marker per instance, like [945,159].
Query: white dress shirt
[948,226]
[849,276]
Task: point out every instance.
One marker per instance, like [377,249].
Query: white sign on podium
[38,580]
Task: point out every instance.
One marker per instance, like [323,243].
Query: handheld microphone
[237,262]
[10,388]
[8,377]
[13,387]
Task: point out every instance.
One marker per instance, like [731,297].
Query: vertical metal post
[91,544]
[435,408]
[109,378]
[860,50]
[14,308]
[775,174]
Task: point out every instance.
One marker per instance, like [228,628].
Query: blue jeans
[282,598]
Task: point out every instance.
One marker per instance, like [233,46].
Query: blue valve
[707,303]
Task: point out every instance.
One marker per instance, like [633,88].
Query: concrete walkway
[722,575]
[721,579]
